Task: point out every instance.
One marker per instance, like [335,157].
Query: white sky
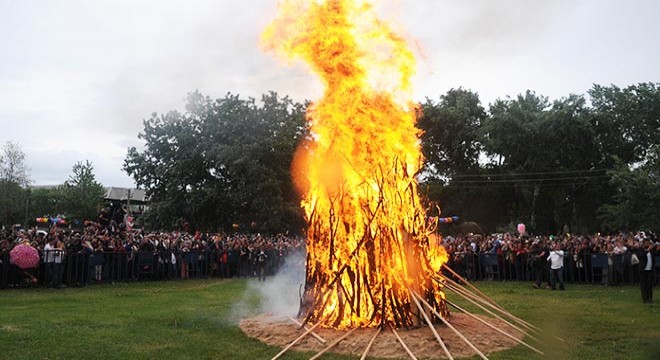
[78,77]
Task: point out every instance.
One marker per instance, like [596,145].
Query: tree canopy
[579,163]
[222,164]
[558,166]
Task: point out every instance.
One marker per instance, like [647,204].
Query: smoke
[483,25]
[278,296]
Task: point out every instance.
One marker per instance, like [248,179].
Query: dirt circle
[280,331]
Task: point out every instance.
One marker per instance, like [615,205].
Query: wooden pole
[449,325]
[486,300]
[371,343]
[332,345]
[470,285]
[494,327]
[295,341]
[428,321]
[457,287]
[405,347]
[492,313]
[315,335]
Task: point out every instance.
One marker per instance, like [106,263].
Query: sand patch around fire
[278,331]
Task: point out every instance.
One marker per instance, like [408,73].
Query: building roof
[122,194]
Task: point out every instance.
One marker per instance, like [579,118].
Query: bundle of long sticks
[469,293]
[295,341]
[449,325]
[487,304]
[315,335]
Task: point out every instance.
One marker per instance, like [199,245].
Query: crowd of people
[609,259]
[96,253]
[102,252]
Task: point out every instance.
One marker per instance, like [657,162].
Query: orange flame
[368,238]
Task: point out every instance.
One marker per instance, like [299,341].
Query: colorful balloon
[448,220]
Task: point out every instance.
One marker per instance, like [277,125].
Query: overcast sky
[78,77]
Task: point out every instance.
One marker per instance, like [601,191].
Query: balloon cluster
[444,220]
[55,220]
[448,220]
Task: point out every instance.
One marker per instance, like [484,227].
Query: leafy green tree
[81,193]
[220,163]
[637,199]
[45,201]
[544,162]
[626,121]
[14,178]
[627,125]
[451,140]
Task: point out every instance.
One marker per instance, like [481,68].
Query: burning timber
[366,283]
[373,261]
[369,243]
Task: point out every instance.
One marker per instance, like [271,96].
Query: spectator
[646,256]
[556,259]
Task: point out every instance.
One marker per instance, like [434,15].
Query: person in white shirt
[556,259]
[49,260]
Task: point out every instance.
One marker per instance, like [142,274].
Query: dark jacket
[642,256]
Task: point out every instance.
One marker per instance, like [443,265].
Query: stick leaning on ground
[315,335]
[371,343]
[450,326]
[430,324]
[494,327]
[296,341]
[332,344]
[463,291]
[405,347]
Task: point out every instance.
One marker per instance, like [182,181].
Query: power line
[531,173]
[488,181]
[486,186]
[497,186]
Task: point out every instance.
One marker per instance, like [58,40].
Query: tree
[222,162]
[45,201]
[13,168]
[81,193]
[637,198]
[544,162]
[14,178]
[626,121]
[627,125]
[450,140]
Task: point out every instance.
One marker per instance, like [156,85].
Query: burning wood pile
[369,247]
[373,261]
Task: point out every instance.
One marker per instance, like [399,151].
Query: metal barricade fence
[81,269]
[4,270]
[607,269]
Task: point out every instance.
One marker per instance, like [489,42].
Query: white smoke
[280,294]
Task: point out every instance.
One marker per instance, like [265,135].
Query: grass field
[197,319]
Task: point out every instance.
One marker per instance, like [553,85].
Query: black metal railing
[608,269]
[57,268]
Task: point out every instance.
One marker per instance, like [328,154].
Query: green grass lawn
[197,319]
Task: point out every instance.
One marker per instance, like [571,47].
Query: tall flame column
[368,238]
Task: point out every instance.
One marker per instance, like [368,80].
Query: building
[133,200]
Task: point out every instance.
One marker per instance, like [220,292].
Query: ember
[370,247]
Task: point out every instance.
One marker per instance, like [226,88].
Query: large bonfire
[371,251]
